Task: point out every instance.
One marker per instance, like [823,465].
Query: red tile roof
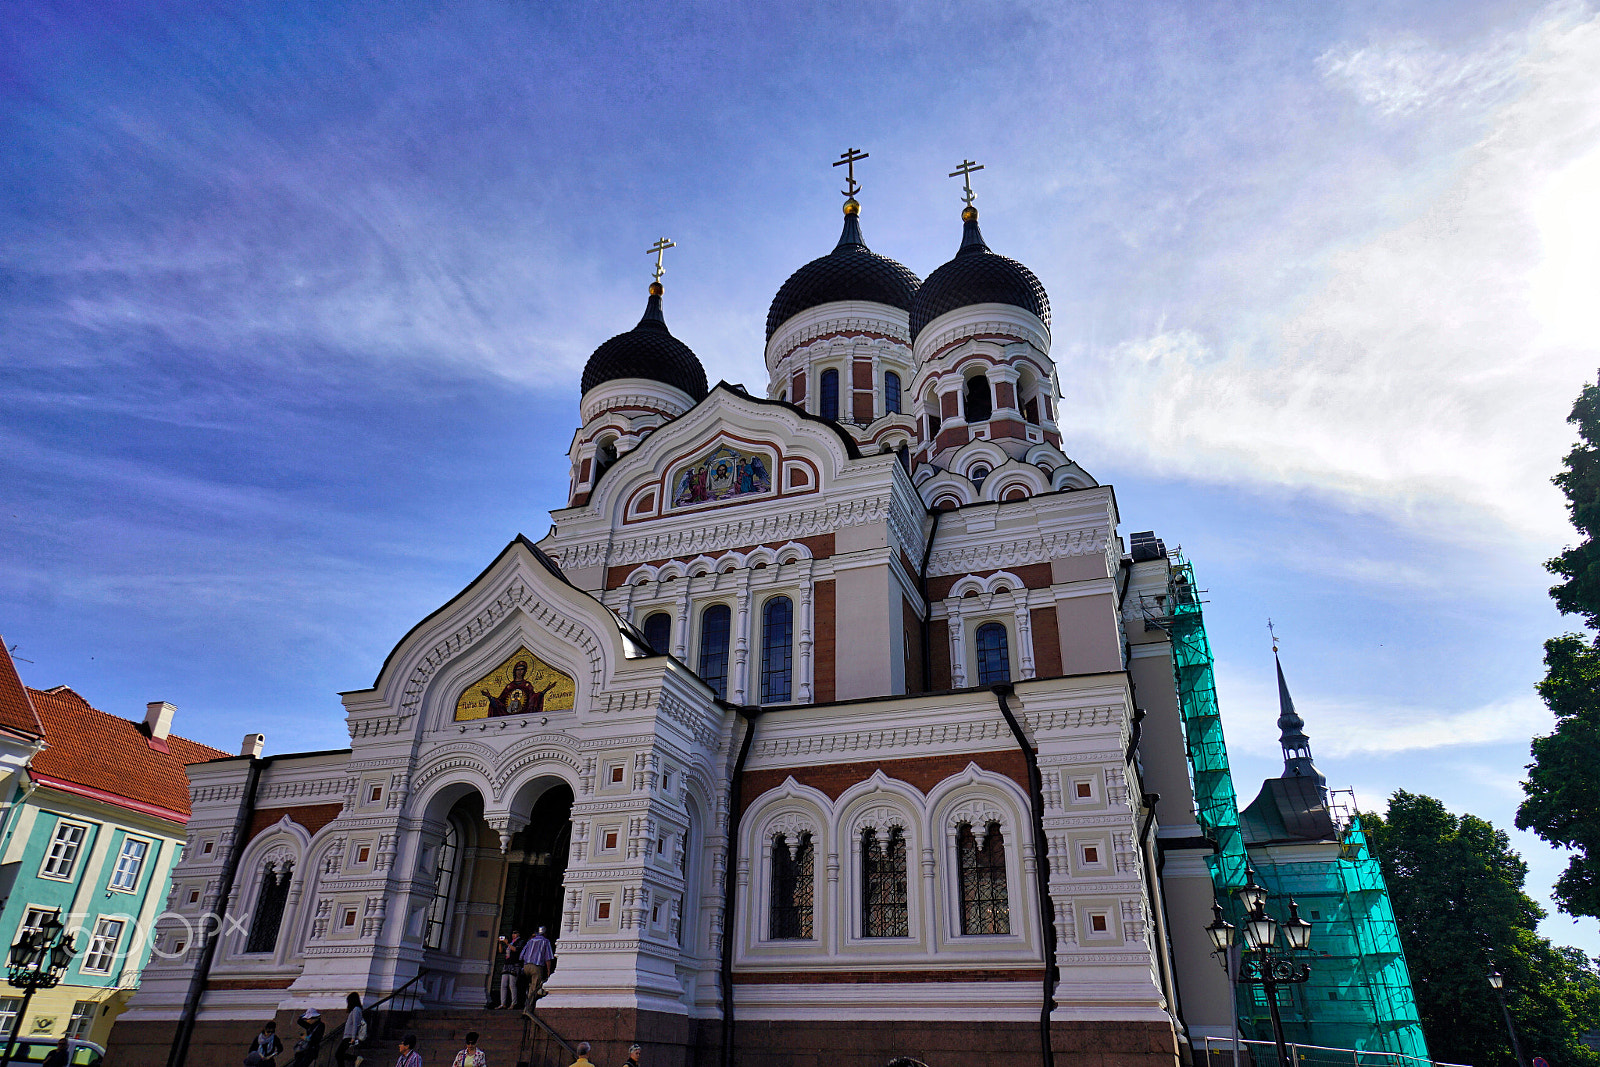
[16,710]
[95,754]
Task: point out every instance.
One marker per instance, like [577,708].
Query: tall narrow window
[658,631]
[270,900]
[883,884]
[604,456]
[9,1008]
[102,953]
[793,875]
[131,861]
[982,870]
[82,1021]
[979,403]
[714,623]
[994,654]
[891,393]
[777,650]
[1030,411]
[64,847]
[830,395]
[446,860]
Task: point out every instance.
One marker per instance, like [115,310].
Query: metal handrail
[1358,1056]
[546,1028]
[375,1005]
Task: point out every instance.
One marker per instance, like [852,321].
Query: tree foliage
[1456,887]
[1562,802]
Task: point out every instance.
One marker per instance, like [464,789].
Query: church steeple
[1292,734]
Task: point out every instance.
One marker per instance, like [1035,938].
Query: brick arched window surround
[994,654]
[273,895]
[793,881]
[883,883]
[715,624]
[658,631]
[828,395]
[981,873]
[777,650]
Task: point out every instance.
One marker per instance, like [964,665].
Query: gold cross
[848,159]
[1274,634]
[964,172]
[660,248]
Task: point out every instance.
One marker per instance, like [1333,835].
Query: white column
[958,647]
[805,639]
[741,646]
[1024,635]
[680,647]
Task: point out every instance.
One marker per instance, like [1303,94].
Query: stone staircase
[505,1036]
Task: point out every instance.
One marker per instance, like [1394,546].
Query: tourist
[510,968]
[536,956]
[266,1048]
[60,1056]
[633,1056]
[306,1049]
[409,1057]
[583,1055]
[472,1055]
[352,1034]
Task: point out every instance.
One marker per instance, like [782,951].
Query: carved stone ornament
[978,813]
[879,817]
[791,824]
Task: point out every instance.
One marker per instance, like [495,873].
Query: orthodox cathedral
[835,720]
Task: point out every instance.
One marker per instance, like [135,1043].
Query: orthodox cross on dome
[964,172]
[1274,634]
[848,159]
[659,249]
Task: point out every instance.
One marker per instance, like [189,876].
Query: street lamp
[1498,983]
[1263,964]
[38,960]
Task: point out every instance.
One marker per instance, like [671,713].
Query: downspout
[1168,982]
[1041,871]
[927,609]
[730,882]
[208,950]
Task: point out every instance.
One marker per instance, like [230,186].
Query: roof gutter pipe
[208,949]
[1041,871]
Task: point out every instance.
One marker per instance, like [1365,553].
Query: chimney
[158,719]
[253,743]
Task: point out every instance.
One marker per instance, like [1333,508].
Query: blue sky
[294,298]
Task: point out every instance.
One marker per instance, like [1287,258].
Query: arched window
[604,456]
[1030,410]
[883,884]
[982,871]
[829,397]
[793,874]
[777,650]
[714,624]
[891,393]
[658,631]
[980,405]
[446,859]
[994,654]
[274,894]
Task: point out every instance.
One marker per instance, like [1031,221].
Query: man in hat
[306,1049]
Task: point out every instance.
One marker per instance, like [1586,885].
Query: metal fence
[1220,1051]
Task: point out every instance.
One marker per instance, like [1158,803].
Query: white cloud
[1430,368]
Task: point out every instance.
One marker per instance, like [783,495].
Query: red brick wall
[924,772]
[939,649]
[862,407]
[911,619]
[312,816]
[797,389]
[948,405]
[1033,576]
[822,648]
[1046,643]
[1005,395]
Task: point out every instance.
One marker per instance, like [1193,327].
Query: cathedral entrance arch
[536,862]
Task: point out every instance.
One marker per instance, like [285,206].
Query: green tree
[1456,887]
[1562,802]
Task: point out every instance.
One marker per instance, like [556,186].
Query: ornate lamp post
[38,960]
[1497,983]
[1263,964]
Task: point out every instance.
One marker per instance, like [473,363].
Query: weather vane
[1274,634]
[964,172]
[660,248]
[848,160]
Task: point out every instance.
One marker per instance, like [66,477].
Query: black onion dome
[852,271]
[647,351]
[977,276]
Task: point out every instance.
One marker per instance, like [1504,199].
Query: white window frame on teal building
[130,865]
[33,917]
[101,954]
[61,859]
[82,1021]
[10,1009]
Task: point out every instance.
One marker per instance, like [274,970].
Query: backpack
[361,1031]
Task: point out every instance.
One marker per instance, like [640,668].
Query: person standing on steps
[409,1056]
[583,1055]
[472,1055]
[266,1048]
[633,1056]
[350,1037]
[510,968]
[306,1049]
[536,957]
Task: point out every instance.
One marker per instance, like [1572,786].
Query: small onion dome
[647,351]
[977,276]
[852,271]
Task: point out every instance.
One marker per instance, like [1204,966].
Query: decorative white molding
[994,555]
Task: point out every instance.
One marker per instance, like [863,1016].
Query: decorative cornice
[872,740]
[993,555]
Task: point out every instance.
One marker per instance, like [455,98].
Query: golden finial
[1274,634]
[848,160]
[964,172]
[659,249]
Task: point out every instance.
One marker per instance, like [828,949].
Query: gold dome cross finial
[659,249]
[964,172]
[848,159]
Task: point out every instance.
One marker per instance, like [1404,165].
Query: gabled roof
[17,713]
[111,759]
